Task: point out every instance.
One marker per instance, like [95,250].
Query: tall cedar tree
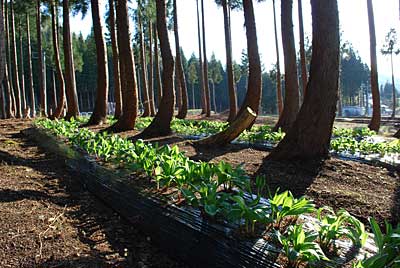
[201,73]
[157,65]
[303,65]
[179,69]
[70,84]
[291,102]
[116,68]
[22,73]
[30,72]
[278,66]
[14,63]
[58,112]
[205,64]
[376,99]
[127,70]
[309,138]
[151,69]
[246,115]
[42,83]
[99,114]
[161,124]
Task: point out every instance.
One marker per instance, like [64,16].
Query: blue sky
[353,21]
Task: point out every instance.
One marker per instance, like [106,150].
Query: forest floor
[47,219]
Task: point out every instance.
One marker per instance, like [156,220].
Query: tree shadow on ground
[128,246]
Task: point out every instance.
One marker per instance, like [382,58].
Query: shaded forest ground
[49,220]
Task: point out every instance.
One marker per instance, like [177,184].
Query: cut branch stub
[245,119]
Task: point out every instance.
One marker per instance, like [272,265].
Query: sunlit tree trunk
[14,64]
[393,88]
[309,137]
[179,69]
[57,112]
[22,73]
[201,69]
[127,70]
[157,66]
[30,74]
[291,102]
[3,94]
[376,100]
[251,104]
[99,114]
[161,124]
[116,69]
[41,68]
[70,84]
[304,77]
[143,67]
[229,69]
[151,70]
[278,67]
[205,64]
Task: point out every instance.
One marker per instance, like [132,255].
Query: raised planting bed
[187,232]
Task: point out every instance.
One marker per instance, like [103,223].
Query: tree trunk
[393,88]
[70,85]
[397,134]
[233,131]
[229,68]
[278,67]
[54,80]
[42,87]
[14,63]
[30,75]
[309,138]
[201,73]
[247,115]
[151,71]
[179,69]
[158,74]
[22,74]
[193,98]
[143,69]
[214,100]
[291,103]
[116,68]
[161,124]
[304,77]
[376,100]
[57,112]
[205,64]
[99,115]
[177,87]
[128,72]
[253,96]
[3,102]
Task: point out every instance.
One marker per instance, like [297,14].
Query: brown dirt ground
[49,220]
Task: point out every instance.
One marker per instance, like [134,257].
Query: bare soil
[50,220]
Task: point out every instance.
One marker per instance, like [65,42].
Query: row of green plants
[225,194]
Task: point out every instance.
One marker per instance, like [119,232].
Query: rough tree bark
[247,115]
[22,73]
[30,73]
[291,102]
[179,69]
[42,87]
[99,115]
[143,67]
[229,68]
[278,67]
[116,69]
[70,85]
[127,70]
[161,124]
[151,70]
[303,66]
[205,64]
[201,73]
[375,122]
[3,102]
[58,112]
[14,64]
[157,66]
[309,138]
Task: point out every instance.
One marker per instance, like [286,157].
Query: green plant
[333,226]
[299,246]
[388,244]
